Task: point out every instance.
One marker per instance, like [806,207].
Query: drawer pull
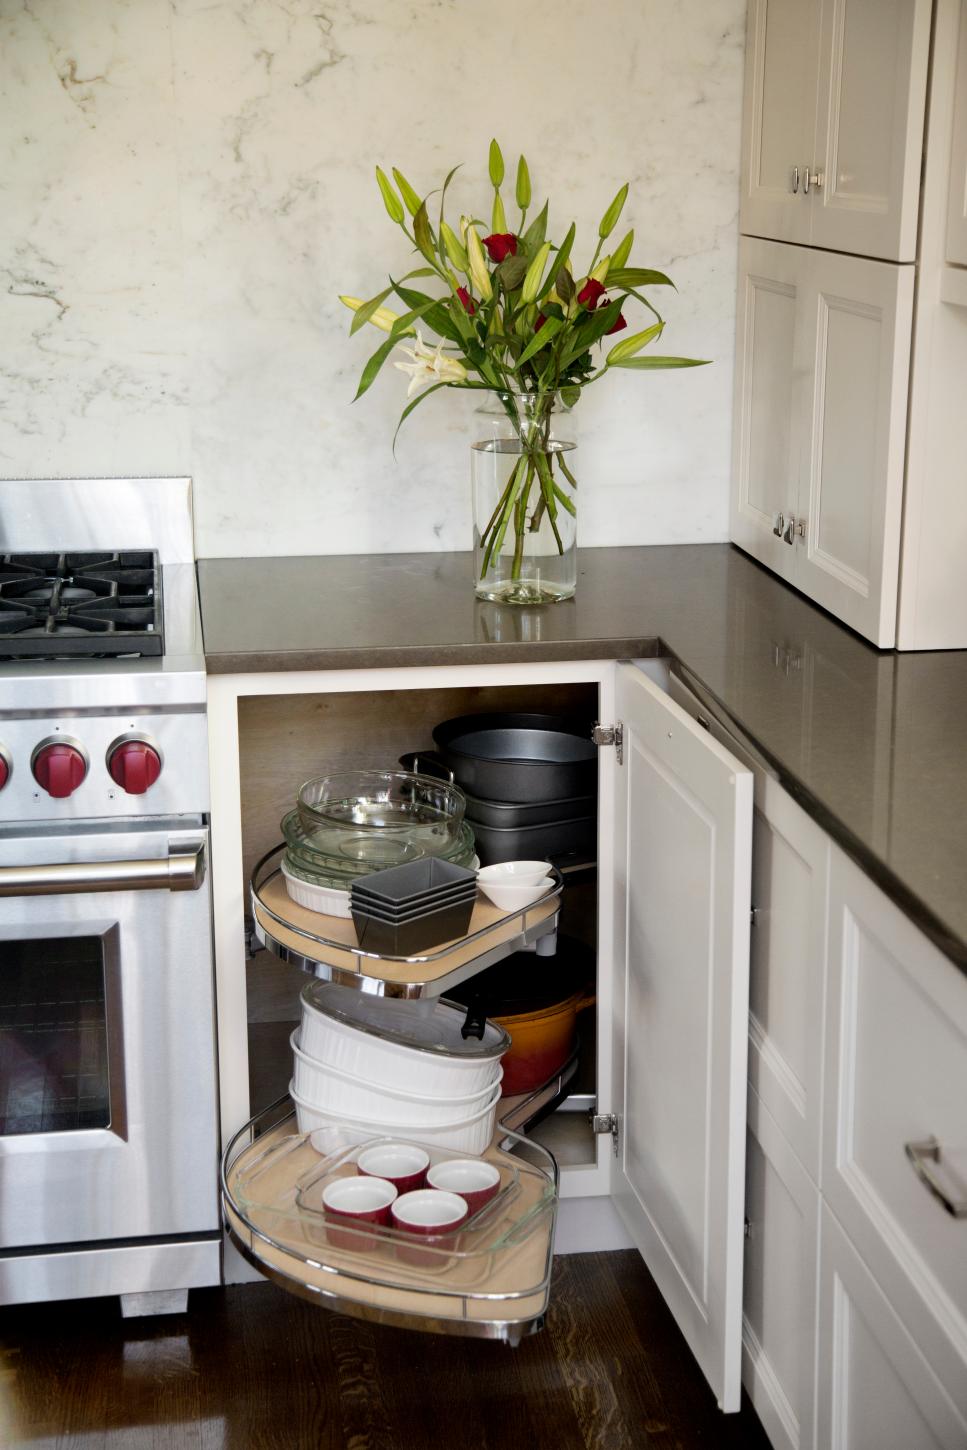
[924,1156]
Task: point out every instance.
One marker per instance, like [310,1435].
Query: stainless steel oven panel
[181,789]
[153,1169]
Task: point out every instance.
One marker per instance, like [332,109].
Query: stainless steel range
[108,1134]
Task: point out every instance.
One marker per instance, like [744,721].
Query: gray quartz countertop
[871,743]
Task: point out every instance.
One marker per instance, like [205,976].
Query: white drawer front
[897,1035]
[876,1389]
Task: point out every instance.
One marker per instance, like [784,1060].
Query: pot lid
[428,1025]
[525,982]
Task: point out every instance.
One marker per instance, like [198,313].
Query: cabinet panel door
[869,126]
[790,893]
[779,1319]
[957,198]
[778,117]
[876,1389]
[854,341]
[768,408]
[681,926]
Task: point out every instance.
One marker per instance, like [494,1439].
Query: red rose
[591,293]
[501,245]
[541,319]
[616,326]
[468,302]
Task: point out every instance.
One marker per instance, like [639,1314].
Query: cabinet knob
[794,186]
[811,178]
[927,1162]
[789,534]
[779,525]
[801,528]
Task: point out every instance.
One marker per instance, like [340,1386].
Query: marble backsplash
[185,186]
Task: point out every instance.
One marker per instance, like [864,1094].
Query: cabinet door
[790,893]
[768,405]
[876,1389]
[781,1257]
[853,347]
[683,848]
[869,126]
[957,197]
[778,117]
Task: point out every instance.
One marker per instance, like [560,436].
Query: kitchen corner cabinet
[833,123]
[674,864]
[823,360]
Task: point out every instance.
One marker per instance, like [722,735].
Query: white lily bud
[382,317]
[478,267]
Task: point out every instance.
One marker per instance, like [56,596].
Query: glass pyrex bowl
[355,810]
[310,852]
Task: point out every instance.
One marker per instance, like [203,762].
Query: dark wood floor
[249,1368]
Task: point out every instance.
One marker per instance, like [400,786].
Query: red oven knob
[134,766]
[59,769]
[5,767]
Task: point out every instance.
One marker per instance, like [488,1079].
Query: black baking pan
[519,757]
[547,841]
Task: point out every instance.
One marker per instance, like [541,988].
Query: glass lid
[430,1024]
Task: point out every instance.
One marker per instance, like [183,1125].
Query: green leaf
[535,233]
[662,362]
[564,284]
[637,277]
[591,330]
[372,368]
[415,403]
[435,316]
[403,326]
[391,201]
[496,164]
[511,272]
[571,395]
[563,253]
[364,313]
[406,191]
[540,339]
[611,216]
[423,233]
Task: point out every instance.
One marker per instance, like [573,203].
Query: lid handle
[475,1022]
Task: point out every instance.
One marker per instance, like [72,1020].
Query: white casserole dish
[328,900]
[468,1135]
[385,1043]
[322,1086]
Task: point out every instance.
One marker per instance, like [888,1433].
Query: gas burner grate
[92,604]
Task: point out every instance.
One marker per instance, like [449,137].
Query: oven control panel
[91,765]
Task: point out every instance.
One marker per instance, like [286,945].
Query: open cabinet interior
[287,739]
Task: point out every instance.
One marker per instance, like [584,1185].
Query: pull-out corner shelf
[326,946]
[490,1281]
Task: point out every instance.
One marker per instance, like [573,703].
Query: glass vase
[524,499]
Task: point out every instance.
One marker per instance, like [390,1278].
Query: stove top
[95,604]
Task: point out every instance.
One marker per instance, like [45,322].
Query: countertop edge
[429,656]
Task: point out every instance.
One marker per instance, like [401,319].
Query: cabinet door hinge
[606,1123]
[611,735]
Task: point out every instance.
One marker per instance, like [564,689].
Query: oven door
[107,1056]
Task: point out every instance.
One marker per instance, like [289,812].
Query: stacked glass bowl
[348,825]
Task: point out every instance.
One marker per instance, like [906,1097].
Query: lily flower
[382,317]
[429,366]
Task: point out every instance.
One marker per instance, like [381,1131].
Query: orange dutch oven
[537,1001]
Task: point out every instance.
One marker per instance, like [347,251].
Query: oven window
[53,1036]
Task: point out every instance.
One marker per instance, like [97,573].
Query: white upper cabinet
[766,435]
[681,982]
[823,359]
[778,119]
[854,352]
[957,199]
[833,123]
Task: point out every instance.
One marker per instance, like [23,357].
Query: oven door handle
[178,871]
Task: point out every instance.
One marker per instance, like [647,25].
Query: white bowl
[328,900]
[513,873]
[325,1087]
[511,896]
[472,1134]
